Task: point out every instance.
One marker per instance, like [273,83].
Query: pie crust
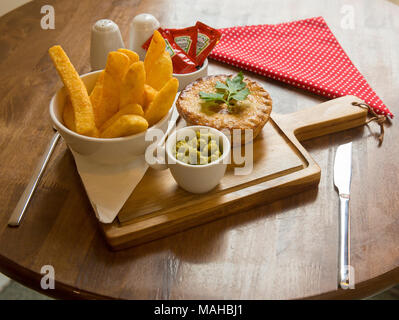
[252,113]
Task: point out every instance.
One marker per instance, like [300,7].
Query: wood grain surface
[287,249]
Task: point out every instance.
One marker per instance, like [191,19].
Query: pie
[251,113]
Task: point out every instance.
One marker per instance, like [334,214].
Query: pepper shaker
[105,37]
[141,28]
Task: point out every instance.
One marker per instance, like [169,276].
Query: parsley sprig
[235,89]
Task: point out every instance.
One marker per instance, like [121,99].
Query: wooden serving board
[281,167]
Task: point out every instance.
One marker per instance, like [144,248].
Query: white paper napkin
[108,187]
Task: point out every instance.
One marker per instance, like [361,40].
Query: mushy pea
[201,149]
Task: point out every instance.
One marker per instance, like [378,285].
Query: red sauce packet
[186,39]
[207,39]
[182,63]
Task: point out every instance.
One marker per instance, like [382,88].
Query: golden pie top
[251,113]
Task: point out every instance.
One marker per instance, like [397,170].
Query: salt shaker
[105,37]
[141,28]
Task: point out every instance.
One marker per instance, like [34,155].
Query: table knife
[342,180]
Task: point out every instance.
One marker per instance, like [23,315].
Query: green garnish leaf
[240,95]
[221,86]
[234,89]
[211,96]
[236,84]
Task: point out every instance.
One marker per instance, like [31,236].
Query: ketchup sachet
[207,39]
[186,39]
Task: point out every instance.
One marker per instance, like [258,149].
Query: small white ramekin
[187,78]
[194,178]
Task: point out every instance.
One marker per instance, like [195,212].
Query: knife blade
[343,168]
[342,180]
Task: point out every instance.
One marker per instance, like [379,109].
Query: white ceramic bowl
[194,178]
[187,78]
[104,151]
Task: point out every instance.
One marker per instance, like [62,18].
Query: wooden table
[287,249]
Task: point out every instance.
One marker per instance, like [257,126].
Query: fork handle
[23,202]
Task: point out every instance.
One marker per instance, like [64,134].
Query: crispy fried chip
[95,97]
[133,56]
[132,88]
[82,108]
[160,106]
[157,63]
[149,95]
[129,109]
[125,125]
[68,115]
[117,65]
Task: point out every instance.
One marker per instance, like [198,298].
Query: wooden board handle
[328,117]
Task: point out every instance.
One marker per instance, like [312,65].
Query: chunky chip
[149,95]
[95,98]
[132,88]
[115,69]
[67,114]
[162,102]
[82,107]
[133,56]
[125,125]
[129,109]
[157,63]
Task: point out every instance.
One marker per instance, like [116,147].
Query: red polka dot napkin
[302,53]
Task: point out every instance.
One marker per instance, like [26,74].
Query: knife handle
[344,243]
